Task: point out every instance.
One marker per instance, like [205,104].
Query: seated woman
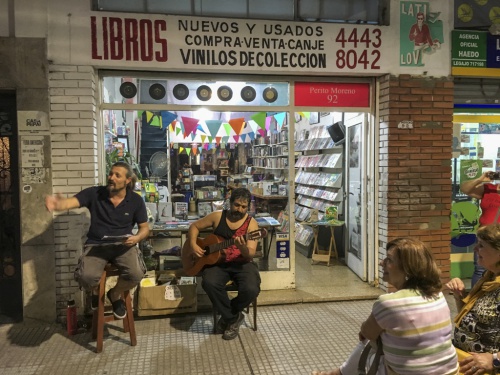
[413,323]
[477,325]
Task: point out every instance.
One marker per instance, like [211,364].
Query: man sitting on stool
[114,210]
[237,262]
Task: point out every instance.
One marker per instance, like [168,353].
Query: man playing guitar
[236,264]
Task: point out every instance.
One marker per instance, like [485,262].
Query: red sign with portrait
[330,94]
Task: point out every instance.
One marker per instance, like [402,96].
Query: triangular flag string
[190,125]
[260,119]
[237,124]
[213,126]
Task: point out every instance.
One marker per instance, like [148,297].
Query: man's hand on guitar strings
[198,251]
[241,243]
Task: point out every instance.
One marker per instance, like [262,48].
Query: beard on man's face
[237,214]
[113,187]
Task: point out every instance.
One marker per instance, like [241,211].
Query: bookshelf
[318,179]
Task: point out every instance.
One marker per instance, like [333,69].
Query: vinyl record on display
[224,93]
[128,90]
[270,94]
[248,94]
[181,91]
[157,91]
[204,93]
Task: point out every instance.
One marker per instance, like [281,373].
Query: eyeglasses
[420,19]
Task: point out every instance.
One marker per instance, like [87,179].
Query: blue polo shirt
[108,220]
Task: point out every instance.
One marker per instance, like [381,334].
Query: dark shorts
[95,257]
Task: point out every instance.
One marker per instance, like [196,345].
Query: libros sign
[174,42]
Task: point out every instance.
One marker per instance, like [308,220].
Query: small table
[316,256]
[268,223]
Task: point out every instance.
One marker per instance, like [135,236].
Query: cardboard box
[151,300]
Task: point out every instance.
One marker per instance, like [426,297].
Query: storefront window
[476,149]
[189,159]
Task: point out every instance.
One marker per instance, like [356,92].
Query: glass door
[356,255]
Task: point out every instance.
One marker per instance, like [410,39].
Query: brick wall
[415,164]
[73,96]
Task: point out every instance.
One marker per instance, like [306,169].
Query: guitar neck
[223,245]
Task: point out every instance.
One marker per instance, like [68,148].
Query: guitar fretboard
[226,243]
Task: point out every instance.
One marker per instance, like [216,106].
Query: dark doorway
[11,308]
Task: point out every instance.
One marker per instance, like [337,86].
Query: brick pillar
[75,153]
[415,164]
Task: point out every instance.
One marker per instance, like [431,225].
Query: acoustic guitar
[213,246]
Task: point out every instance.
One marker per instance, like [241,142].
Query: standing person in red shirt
[489,194]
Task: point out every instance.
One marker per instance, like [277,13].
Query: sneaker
[233,329]
[220,327]
[119,308]
[94,302]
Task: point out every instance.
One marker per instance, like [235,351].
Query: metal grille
[10,257]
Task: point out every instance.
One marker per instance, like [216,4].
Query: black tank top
[223,229]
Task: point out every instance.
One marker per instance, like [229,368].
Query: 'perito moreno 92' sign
[174,42]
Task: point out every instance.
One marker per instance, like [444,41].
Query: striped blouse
[417,333]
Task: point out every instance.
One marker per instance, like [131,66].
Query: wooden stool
[99,319]
[232,287]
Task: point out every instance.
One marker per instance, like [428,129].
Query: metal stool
[99,319]
[232,287]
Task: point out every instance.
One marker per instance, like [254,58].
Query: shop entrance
[217,135]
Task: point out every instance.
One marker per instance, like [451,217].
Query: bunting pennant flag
[237,124]
[173,124]
[194,149]
[307,115]
[228,128]
[236,138]
[151,118]
[243,137]
[280,119]
[225,139]
[167,118]
[213,126]
[205,146]
[210,139]
[253,125]
[188,151]
[217,140]
[268,123]
[203,137]
[260,119]
[190,125]
[181,149]
[251,135]
[200,128]
[178,130]
[262,132]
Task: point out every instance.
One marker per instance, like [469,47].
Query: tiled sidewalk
[291,339]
